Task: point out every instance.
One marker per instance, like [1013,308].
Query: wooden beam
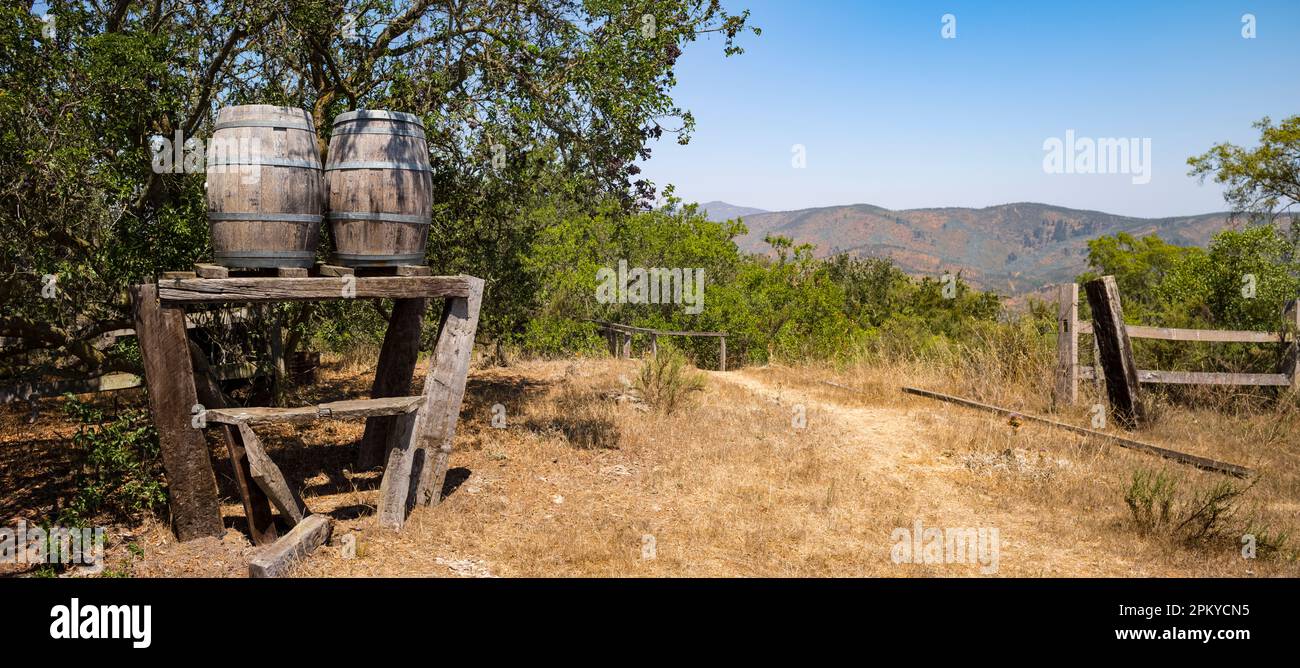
[335,270]
[1116,351]
[444,390]
[164,348]
[268,477]
[413,270]
[263,289]
[627,346]
[1291,329]
[1067,344]
[1203,335]
[722,353]
[351,408]
[276,559]
[420,444]
[1181,457]
[211,271]
[393,375]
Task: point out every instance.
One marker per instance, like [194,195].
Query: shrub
[1150,498]
[665,381]
[119,469]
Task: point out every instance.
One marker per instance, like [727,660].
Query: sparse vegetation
[666,381]
[118,466]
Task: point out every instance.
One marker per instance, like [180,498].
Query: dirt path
[889,441]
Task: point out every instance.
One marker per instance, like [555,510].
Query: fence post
[654,345]
[627,345]
[1116,351]
[1067,345]
[1291,361]
[722,353]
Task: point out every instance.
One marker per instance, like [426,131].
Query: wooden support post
[275,560]
[1291,329]
[1116,351]
[654,345]
[627,345]
[257,508]
[722,353]
[164,347]
[420,445]
[271,480]
[393,375]
[1067,345]
[277,355]
[1098,376]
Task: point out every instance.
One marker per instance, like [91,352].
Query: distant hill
[1010,248]
[720,211]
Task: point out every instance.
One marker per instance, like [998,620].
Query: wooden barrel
[265,187]
[380,189]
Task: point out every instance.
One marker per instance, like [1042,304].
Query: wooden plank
[1116,351]
[351,408]
[1181,457]
[1204,335]
[413,270]
[174,275]
[444,392]
[291,272]
[164,348]
[257,508]
[1291,329]
[335,270]
[627,346]
[262,289]
[1067,344]
[211,271]
[644,330]
[420,445]
[722,353]
[1152,377]
[393,375]
[1210,378]
[276,559]
[269,478]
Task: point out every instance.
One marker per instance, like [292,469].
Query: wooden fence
[123,381]
[615,331]
[1069,373]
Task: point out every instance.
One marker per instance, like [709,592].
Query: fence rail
[1069,372]
[614,329]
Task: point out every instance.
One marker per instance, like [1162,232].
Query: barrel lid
[298,112]
[377,115]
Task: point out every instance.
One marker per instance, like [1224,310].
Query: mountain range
[1009,248]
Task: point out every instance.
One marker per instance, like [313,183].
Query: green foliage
[666,382]
[119,464]
[1150,499]
[1262,181]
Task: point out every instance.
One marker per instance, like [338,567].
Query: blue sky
[892,114]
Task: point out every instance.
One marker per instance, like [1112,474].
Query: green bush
[1150,498]
[666,382]
[119,466]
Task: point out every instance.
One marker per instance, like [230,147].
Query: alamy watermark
[24,544]
[1104,155]
[234,155]
[953,545]
[655,285]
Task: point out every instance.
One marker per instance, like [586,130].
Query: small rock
[557,499]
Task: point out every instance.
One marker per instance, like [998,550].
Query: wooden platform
[410,435]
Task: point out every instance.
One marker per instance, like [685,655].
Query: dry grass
[584,480]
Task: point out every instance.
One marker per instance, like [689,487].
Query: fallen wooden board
[1182,458]
[275,559]
[268,477]
[351,408]
[106,383]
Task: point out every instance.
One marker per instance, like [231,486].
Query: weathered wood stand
[412,435]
